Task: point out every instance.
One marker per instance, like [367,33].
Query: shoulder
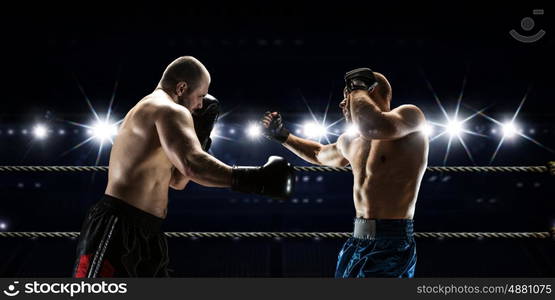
[163,108]
[411,114]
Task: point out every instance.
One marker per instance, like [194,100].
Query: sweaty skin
[388,157]
[157,148]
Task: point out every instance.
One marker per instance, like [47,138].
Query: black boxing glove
[204,120]
[360,79]
[275,130]
[274,179]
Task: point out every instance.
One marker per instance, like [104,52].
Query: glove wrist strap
[282,135]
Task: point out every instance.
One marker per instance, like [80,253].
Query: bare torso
[139,170]
[387,174]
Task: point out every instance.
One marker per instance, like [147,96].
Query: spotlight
[40,131]
[427,129]
[254,130]
[24,131]
[352,130]
[61,132]
[103,131]
[3,226]
[454,128]
[232,131]
[509,129]
[10,131]
[314,130]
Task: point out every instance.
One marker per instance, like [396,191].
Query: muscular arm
[179,141]
[376,124]
[316,153]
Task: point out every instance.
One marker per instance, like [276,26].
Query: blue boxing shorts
[378,248]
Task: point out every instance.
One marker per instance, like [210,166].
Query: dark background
[282,57]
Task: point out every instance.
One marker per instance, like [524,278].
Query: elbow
[178,181]
[178,186]
[191,165]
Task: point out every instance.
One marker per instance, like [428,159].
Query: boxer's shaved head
[186,80]
[184,69]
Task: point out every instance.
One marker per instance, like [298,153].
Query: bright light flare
[454,128]
[509,130]
[254,131]
[40,131]
[103,131]
[314,130]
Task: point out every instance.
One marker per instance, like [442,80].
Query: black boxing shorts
[120,240]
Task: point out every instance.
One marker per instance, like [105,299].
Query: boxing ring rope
[548,168]
[314,235]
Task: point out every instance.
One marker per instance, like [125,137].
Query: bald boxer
[162,143]
[388,158]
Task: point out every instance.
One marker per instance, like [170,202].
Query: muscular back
[387,174]
[139,170]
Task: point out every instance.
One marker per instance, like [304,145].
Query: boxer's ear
[181,88]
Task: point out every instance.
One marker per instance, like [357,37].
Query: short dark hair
[184,68]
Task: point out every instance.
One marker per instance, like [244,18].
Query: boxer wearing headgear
[388,157]
[162,143]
